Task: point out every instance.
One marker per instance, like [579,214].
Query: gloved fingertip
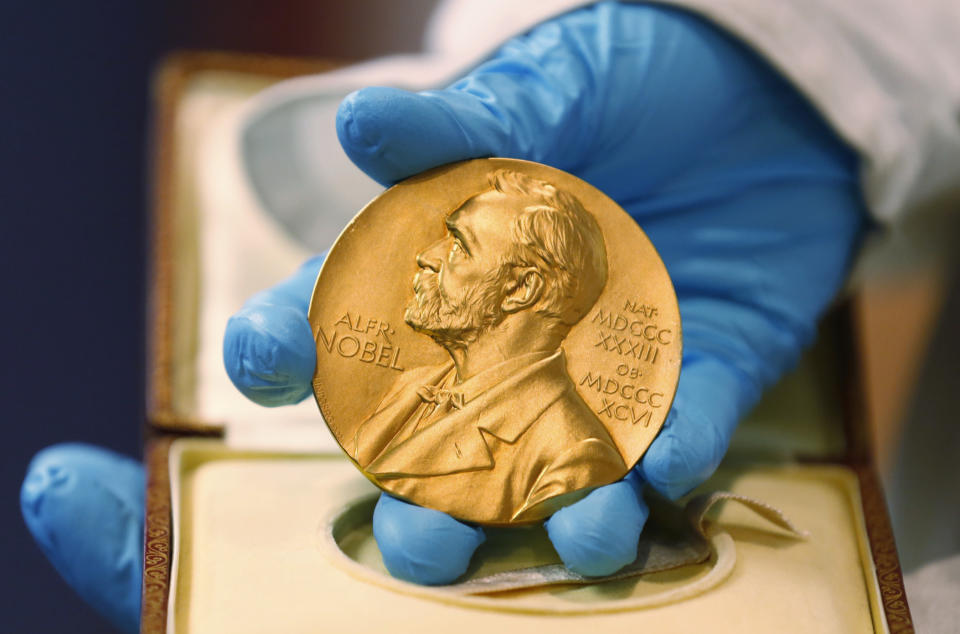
[54,470]
[672,488]
[711,398]
[269,354]
[665,467]
[45,475]
[365,121]
[685,453]
[598,535]
[391,134]
[423,545]
[357,118]
[84,507]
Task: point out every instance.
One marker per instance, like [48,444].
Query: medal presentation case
[256,522]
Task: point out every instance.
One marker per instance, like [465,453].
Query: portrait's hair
[554,233]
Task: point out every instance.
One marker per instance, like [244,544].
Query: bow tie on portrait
[440,396]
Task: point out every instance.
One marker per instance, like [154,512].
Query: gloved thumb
[511,106]
[84,507]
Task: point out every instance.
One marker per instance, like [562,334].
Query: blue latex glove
[750,199]
[84,506]
[748,196]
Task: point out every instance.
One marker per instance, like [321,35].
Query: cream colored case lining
[253,555]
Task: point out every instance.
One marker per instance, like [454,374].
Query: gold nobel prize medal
[494,339]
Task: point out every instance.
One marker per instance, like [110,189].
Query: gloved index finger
[268,346]
[529,101]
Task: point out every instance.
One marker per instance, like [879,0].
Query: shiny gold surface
[494,338]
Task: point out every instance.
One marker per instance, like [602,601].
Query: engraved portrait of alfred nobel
[501,426]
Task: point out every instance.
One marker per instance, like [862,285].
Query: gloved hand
[84,506]
[749,197]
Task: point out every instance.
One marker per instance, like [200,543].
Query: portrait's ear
[525,290]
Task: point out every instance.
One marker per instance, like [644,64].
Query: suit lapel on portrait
[394,414]
[455,443]
[506,416]
[450,445]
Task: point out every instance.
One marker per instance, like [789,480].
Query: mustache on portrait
[459,320]
[426,282]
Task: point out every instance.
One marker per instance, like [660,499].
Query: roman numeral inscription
[632,333]
[621,400]
[364,339]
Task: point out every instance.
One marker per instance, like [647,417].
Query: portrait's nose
[432,257]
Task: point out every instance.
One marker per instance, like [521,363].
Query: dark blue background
[73,106]
[74,112]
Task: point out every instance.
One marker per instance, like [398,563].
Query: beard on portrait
[457,321]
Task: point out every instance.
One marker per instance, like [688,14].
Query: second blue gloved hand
[84,507]
[749,197]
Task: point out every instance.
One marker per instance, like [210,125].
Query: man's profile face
[461,283]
